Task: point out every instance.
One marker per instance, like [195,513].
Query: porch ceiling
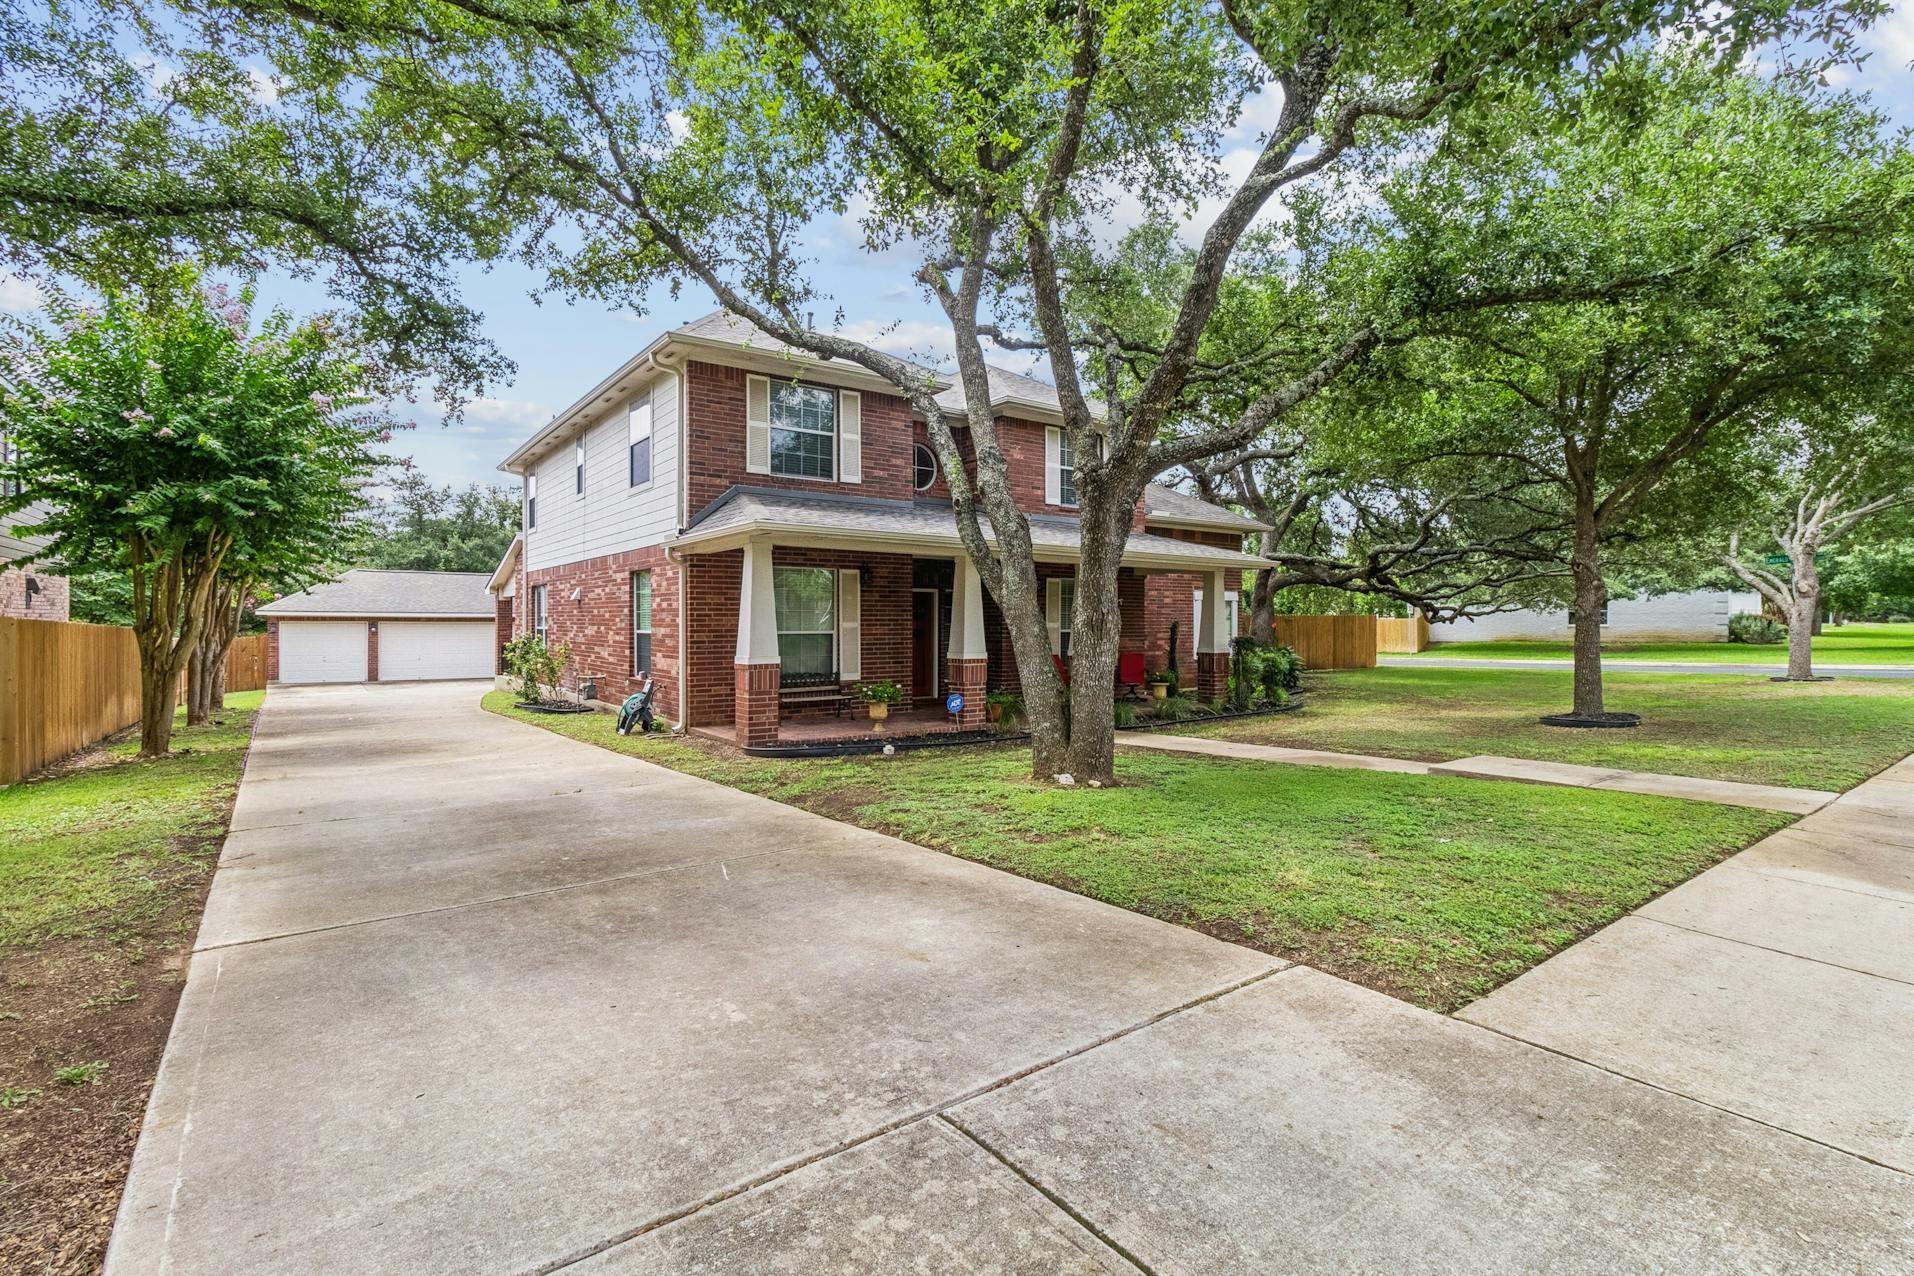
[836,521]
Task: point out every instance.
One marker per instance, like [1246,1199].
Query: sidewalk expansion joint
[1779,952]
[898,1123]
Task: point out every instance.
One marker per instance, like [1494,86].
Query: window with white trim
[640,622]
[531,501]
[578,465]
[639,463]
[803,430]
[805,600]
[539,616]
[9,485]
[1066,610]
[923,467]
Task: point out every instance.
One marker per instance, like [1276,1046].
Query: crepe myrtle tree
[1765,228]
[1829,478]
[176,444]
[982,145]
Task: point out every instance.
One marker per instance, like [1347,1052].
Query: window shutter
[1053,607]
[1052,480]
[850,436]
[757,425]
[850,626]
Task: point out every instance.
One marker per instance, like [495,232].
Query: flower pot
[1159,690]
[994,712]
[879,712]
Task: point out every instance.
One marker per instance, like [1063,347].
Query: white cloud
[264,88]
[518,413]
[19,296]
[1893,36]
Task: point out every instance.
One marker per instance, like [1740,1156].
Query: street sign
[1777,560]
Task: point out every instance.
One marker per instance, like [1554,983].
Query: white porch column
[1213,638]
[967,612]
[1213,619]
[966,666]
[755,709]
[757,608]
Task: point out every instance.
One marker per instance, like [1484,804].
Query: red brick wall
[50,602]
[503,628]
[715,396]
[596,627]
[372,651]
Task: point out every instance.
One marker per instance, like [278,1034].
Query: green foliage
[535,665]
[79,1074]
[420,527]
[1752,627]
[16,1096]
[101,597]
[881,691]
[1123,714]
[1280,671]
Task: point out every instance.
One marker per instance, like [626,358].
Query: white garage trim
[415,650]
[322,651]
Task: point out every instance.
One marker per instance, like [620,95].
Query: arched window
[923,467]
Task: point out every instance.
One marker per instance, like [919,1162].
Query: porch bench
[812,690]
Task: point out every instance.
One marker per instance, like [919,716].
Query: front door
[923,644]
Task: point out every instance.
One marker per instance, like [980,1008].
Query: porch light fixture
[866,575]
[578,592]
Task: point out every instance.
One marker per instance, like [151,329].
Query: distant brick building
[30,593]
[738,518]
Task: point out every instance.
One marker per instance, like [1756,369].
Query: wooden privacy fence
[1402,635]
[246,664]
[64,686]
[1330,642]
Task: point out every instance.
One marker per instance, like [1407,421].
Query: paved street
[471,997]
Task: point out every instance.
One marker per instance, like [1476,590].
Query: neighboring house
[26,592]
[748,523]
[383,626]
[1699,615]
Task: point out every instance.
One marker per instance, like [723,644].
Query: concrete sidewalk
[1778,985]
[1641,666]
[474,998]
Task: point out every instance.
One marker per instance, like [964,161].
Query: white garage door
[322,651]
[413,649]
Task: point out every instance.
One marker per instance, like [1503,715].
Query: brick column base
[757,705]
[1212,675]
[968,678]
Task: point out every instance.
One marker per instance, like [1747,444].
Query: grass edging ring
[1597,722]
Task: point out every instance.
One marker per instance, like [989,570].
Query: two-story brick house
[740,518]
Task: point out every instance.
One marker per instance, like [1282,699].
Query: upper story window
[803,431]
[578,466]
[531,501]
[639,457]
[1060,463]
[923,467]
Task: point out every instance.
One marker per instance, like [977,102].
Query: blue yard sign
[954,703]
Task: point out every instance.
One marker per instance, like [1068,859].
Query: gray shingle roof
[366,591]
[1168,503]
[745,508]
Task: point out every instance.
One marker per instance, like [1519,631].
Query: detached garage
[384,626]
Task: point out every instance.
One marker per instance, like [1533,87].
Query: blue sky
[562,348]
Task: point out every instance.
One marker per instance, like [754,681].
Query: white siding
[12,546]
[612,516]
[1696,615]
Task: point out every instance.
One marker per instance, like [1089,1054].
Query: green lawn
[1435,890]
[1842,645]
[1828,735]
[90,851]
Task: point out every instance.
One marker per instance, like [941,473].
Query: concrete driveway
[471,997]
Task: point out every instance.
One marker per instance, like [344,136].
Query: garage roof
[374,593]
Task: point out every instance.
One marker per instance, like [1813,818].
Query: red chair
[1063,670]
[1131,672]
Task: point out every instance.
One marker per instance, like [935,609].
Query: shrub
[882,691]
[1175,708]
[1281,672]
[1749,627]
[1123,713]
[535,665]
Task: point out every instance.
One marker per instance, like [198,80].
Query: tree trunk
[1262,607]
[206,667]
[1096,633]
[1803,609]
[159,690]
[1591,595]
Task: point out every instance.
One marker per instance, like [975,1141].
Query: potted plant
[880,696]
[1160,683]
[1000,704]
